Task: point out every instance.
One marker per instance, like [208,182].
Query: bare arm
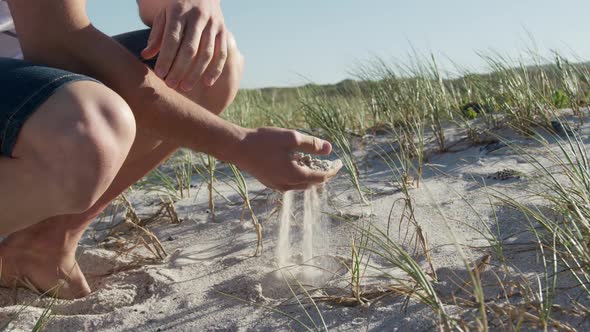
[58,33]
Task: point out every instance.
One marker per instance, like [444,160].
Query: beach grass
[414,105]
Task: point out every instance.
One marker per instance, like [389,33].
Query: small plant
[470,113]
[130,234]
[570,84]
[559,99]
[207,172]
[418,237]
[358,268]
[174,182]
[241,187]
[417,284]
[438,101]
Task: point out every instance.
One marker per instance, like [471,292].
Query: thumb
[313,145]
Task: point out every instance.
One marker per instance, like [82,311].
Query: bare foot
[32,264]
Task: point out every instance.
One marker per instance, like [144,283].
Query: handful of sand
[307,160]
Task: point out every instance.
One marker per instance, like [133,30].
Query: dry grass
[131,233]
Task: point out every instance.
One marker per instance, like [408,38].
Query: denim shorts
[24,86]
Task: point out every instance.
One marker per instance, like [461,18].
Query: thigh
[42,155]
[24,87]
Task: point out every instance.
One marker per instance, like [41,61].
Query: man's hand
[191,39]
[268,155]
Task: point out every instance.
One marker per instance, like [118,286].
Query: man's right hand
[268,155]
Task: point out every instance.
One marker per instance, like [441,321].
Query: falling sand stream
[314,234]
[283,247]
[311,221]
[311,207]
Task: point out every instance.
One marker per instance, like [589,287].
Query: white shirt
[9,45]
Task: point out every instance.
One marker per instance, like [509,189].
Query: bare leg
[38,251]
[65,158]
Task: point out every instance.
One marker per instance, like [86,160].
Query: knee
[236,69]
[235,58]
[96,132]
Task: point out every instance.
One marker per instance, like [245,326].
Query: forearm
[157,107]
[80,48]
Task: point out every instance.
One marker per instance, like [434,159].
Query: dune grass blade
[210,184]
[45,317]
[242,190]
[319,113]
[301,304]
[419,285]
[437,101]
[564,182]
[209,176]
[398,167]
[359,262]
[174,182]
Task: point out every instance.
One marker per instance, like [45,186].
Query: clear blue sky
[293,42]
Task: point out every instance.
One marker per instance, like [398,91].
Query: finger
[187,51]
[206,51]
[312,145]
[216,66]
[170,43]
[156,35]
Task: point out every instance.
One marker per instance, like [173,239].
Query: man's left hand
[191,40]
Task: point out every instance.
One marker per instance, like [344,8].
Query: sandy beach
[210,280]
